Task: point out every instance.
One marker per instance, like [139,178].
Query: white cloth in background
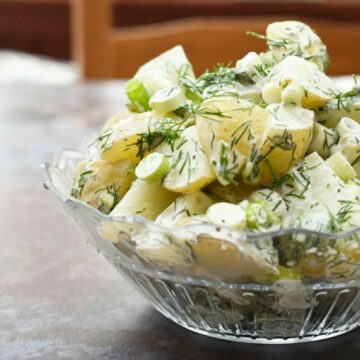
[22,67]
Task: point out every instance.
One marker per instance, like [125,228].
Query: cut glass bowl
[205,292]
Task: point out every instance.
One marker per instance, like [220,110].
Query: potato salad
[265,143]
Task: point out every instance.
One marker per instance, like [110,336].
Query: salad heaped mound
[269,143]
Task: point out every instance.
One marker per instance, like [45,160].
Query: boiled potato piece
[322,141]
[184,207]
[163,250]
[319,89]
[190,169]
[348,142]
[102,184]
[163,71]
[345,262]
[350,248]
[249,65]
[145,199]
[119,142]
[252,93]
[241,138]
[116,118]
[341,166]
[286,38]
[229,129]
[317,198]
[228,260]
[331,113]
[354,185]
[194,220]
[287,138]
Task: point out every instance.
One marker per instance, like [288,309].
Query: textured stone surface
[58,298]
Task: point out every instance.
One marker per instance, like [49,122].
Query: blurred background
[61,41]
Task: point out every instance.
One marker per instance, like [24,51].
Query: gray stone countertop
[58,298]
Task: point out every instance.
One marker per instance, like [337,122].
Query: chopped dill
[225,171]
[165,130]
[261,69]
[284,141]
[111,190]
[77,191]
[103,140]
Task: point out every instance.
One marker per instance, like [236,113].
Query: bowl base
[259,340]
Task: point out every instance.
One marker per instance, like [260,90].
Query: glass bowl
[199,279]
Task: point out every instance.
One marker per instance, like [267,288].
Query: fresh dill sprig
[262,70]
[346,210]
[111,190]
[282,43]
[345,99]
[240,132]
[211,113]
[221,75]
[243,77]
[331,139]
[103,140]
[225,169]
[209,84]
[294,47]
[164,131]
[284,142]
[296,181]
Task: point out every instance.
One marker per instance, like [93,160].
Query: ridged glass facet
[321,302]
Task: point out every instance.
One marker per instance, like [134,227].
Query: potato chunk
[184,207]
[228,130]
[102,184]
[286,38]
[288,135]
[243,140]
[190,169]
[319,89]
[119,141]
[145,199]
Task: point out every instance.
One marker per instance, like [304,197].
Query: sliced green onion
[258,215]
[167,100]
[137,95]
[153,168]
[226,214]
[271,93]
[293,94]
[193,96]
